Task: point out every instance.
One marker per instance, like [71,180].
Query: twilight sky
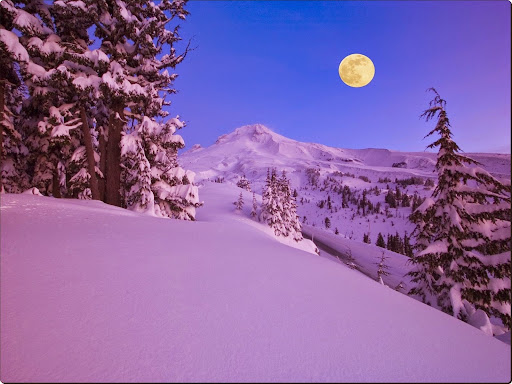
[276,63]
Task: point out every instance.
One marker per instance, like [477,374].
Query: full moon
[356,70]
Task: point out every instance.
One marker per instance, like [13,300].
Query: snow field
[102,294]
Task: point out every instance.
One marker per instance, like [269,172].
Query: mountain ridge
[262,142]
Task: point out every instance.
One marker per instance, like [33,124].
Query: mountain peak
[253,129]
[252,132]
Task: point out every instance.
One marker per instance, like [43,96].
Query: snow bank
[99,293]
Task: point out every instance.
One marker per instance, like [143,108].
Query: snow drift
[91,292]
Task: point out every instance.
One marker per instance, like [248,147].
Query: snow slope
[91,292]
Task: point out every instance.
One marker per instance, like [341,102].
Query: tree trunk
[55,182]
[91,163]
[103,157]
[2,106]
[113,160]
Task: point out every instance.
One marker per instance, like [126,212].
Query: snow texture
[101,293]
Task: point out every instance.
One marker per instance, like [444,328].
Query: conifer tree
[82,101]
[136,175]
[175,195]
[380,241]
[382,269]
[13,54]
[136,81]
[254,205]
[269,206]
[279,208]
[48,148]
[244,183]
[240,202]
[462,232]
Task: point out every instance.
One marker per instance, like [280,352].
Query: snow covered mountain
[251,148]
[100,293]
[318,172]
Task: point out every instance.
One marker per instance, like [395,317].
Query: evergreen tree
[408,251]
[254,205]
[82,101]
[398,193]
[136,175]
[175,195]
[279,208]
[382,269]
[240,202]
[462,233]
[244,183]
[364,202]
[380,241]
[44,121]
[288,204]
[390,199]
[134,84]
[269,206]
[13,178]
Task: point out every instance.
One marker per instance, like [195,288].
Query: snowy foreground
[91,292]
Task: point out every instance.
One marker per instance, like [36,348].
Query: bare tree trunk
[103,158]
[2,106]
[113,160]
[91,163]
[55,182]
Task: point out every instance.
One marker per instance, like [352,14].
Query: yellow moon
[356,70]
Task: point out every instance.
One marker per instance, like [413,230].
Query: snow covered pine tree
[244,183]
[13,179]
[279,208]
[269,208]
[254,205]
[462,259]
[239,203]
[82,101]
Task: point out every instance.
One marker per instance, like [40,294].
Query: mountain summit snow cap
[253,129]
[253,132]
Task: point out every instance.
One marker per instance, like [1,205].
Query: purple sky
[276,63]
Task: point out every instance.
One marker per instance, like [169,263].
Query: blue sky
[276,63]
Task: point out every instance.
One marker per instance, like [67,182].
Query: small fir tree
[380,241]
[240,202]
[382,267]
[254,205]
